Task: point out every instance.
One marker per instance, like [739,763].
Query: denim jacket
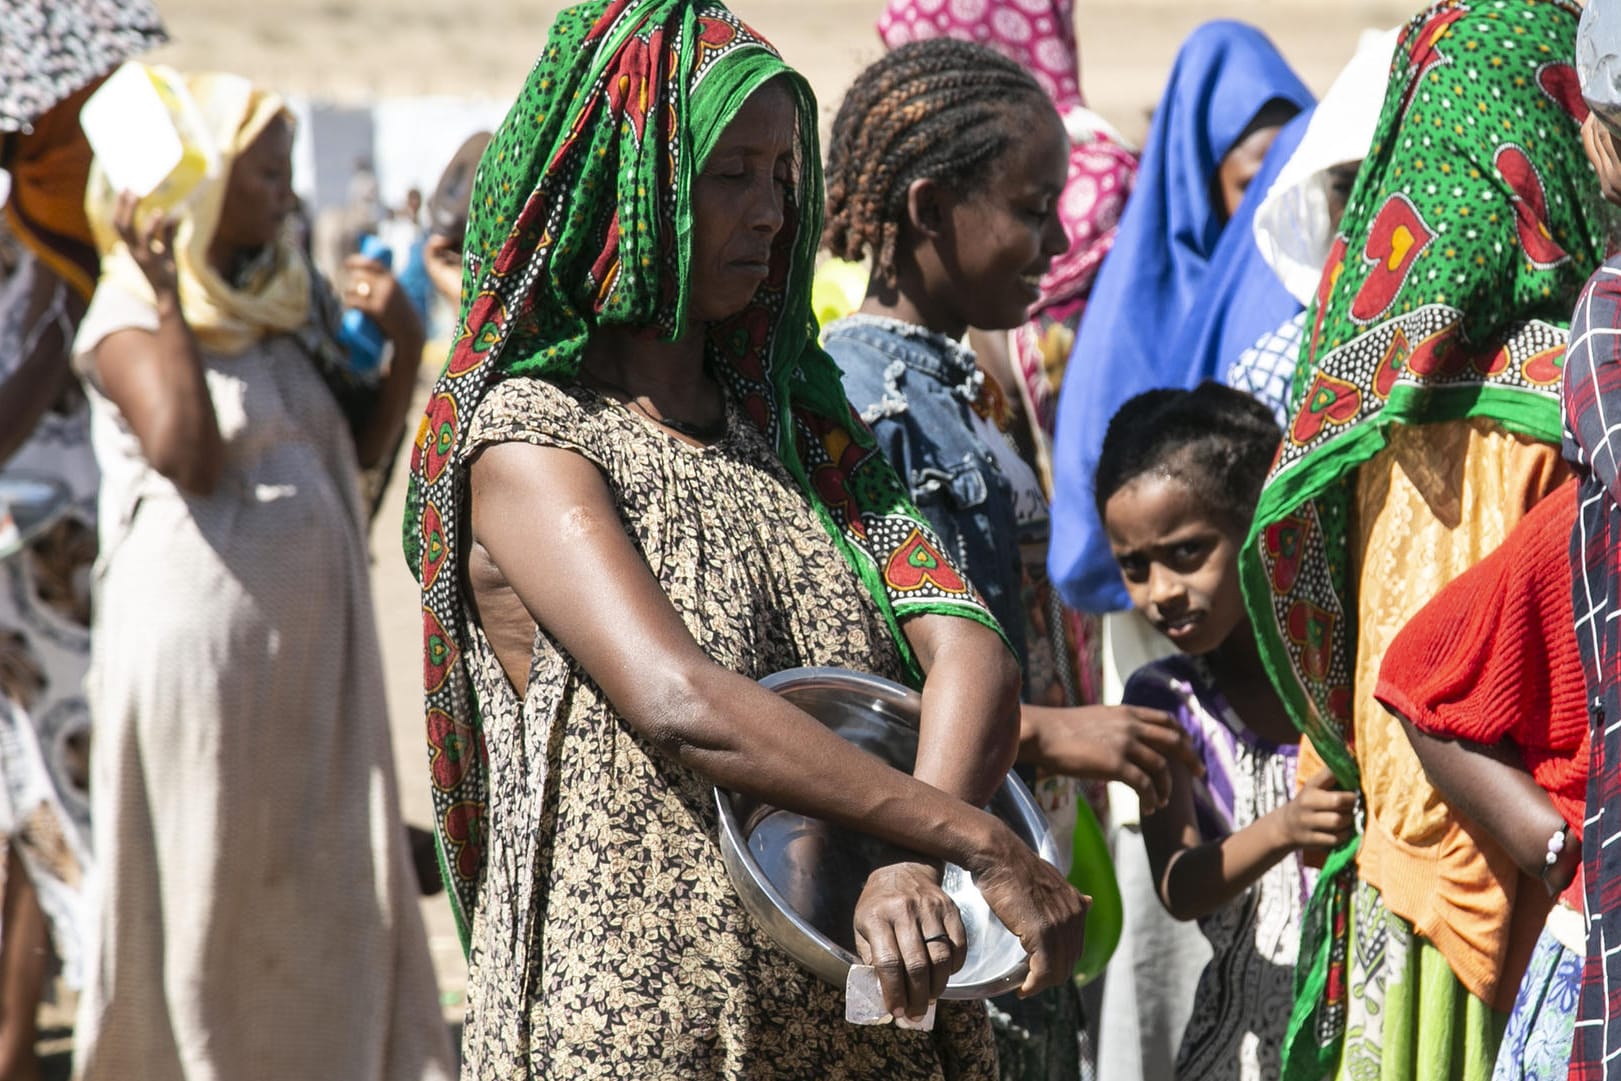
[913,388]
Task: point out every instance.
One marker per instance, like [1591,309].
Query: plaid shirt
[1592,411]
[1267,368]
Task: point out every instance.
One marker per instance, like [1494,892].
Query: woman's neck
[230,260]
[664,381]
[909,301]
[640,362]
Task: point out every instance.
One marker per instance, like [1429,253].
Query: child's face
[1179,561]
[1001,239]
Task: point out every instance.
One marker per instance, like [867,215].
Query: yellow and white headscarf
[225,319]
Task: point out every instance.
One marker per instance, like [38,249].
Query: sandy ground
[355,51]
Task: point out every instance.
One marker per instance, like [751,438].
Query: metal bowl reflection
[800,877]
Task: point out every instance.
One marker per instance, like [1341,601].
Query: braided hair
[1218,441]
[942,109]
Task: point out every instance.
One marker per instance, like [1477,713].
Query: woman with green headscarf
[1425,424]
[638,489]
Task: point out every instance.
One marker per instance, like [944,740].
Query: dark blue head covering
[1225,72]
[1242,298]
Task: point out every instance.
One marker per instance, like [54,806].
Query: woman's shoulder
[524,409]
[892,369]
[111,310]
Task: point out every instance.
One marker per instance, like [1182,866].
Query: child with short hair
[1176,486]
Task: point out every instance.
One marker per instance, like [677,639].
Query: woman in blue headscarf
[1229,94]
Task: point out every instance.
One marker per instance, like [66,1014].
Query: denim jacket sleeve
[924,430]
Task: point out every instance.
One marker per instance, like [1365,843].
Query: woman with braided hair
[946,165]
[639,488]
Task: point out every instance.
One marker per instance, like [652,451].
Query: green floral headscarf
[1446,296]
[581,217]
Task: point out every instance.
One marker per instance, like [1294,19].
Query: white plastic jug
[148,136]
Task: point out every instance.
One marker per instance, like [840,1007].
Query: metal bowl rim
[735,850]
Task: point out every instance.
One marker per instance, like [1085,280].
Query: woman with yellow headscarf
[243,798]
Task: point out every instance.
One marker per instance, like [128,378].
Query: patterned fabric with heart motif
[1471,227]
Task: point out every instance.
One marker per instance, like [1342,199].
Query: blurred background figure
[53,55]
[251,853]
[1295,223]
[446,226]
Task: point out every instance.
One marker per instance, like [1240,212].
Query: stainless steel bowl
[800,877]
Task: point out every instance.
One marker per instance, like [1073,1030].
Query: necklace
[703,433]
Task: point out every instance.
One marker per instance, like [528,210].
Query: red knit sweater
[1493,656]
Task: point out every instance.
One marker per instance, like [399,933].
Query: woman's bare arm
[1491,785]
[969,731]
[1196,877]
[376,292]
[547,520]
[155,378]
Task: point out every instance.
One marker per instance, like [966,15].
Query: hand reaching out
[1130,744]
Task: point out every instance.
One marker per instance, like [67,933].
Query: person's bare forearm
[1491,785]
[376,293]
[969,731]
[394,398]
[749,740]
[181,437]
[1203,879]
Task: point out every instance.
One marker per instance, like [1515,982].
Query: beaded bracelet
[1556,847]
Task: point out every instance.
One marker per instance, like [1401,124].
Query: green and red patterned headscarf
[1447,294]
[582,217]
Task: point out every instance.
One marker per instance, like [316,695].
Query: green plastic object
[1092,872]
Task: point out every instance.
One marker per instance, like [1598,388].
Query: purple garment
[1242,1005]
[1183,687]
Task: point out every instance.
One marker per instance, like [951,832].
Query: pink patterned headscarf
[1039,35]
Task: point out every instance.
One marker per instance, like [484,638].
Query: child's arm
[1196,877]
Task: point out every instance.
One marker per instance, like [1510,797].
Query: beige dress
[254,912]
[608,941]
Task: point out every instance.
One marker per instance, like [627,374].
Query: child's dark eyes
[1188,556]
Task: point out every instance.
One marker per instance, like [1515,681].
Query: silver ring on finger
[363,288]
[941,937]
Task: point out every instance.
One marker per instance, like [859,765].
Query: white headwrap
[1293,228]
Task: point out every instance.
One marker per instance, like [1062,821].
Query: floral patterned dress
[607,940]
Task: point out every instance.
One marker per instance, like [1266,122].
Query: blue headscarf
[1242,299]
[1225,72]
